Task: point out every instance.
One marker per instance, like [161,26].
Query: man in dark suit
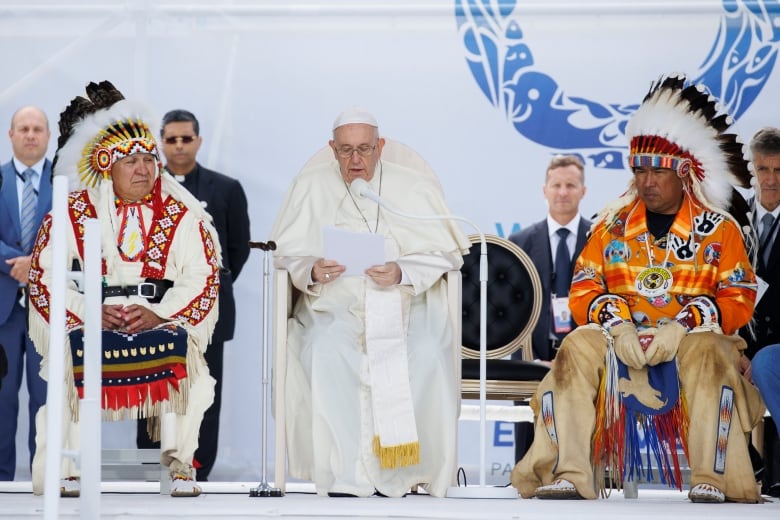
[25,197]
[224,198]
[765,151]
[564,188]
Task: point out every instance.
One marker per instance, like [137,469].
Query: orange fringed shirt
[707,258]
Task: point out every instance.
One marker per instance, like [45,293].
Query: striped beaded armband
[609,310]
[700,311]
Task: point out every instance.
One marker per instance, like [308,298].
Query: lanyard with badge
[561,314]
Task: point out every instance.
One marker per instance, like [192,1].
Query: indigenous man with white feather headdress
[160,274]
[663,283]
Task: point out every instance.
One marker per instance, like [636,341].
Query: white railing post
[90,406]
[56,356]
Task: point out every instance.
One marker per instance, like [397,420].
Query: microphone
[360,188]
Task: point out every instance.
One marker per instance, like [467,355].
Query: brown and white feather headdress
[98,130]
[680,126]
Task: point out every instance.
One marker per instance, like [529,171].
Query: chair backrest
[514,299]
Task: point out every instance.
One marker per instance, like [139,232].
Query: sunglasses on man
[186,139]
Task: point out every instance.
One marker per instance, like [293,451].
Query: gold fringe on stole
[394,456]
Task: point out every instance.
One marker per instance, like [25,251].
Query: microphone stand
[263,489]
[481,491]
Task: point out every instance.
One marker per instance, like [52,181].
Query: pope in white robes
[372,394]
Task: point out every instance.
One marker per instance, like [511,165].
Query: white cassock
[336,407]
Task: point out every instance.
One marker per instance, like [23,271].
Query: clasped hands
[130,319]
[326,271]
[20,268]
[663,345]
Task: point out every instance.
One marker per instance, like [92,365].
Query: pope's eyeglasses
[364,150]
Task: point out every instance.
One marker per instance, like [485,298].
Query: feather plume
[103,94]
[99,95]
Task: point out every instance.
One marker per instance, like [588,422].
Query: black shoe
[774,490]
[334,494]
[378,493]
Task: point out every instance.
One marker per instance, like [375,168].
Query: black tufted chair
[514,294]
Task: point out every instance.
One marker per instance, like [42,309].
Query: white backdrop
[266,79]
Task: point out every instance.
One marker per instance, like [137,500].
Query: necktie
[765,241]
[562,264]
[27,216]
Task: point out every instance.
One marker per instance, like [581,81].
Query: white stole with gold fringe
[395,441]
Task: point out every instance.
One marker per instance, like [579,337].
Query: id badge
[561,315]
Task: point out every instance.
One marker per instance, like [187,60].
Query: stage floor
[132,500]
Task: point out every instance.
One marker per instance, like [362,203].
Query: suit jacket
[766,315]
[11,229]
[535,241]
[224,198]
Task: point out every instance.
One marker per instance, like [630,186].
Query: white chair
[284,297]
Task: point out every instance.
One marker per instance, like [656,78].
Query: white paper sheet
[356,251]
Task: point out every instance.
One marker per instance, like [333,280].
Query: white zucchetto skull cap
[355,116]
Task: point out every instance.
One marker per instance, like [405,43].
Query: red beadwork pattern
[80,209]
[163,229]
[160,235]
[39,295]
[200,306]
